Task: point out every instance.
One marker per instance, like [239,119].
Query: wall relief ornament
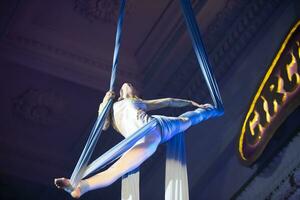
[104,10]
[44,107]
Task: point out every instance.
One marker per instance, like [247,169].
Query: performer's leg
[128,162]
[173,125]
[202,114]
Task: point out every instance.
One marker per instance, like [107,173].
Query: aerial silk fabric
[95,133]
[176,182]
[202,58]
[119,149]
[131,186]
[176,179]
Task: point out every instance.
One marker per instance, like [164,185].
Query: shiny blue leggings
[171,126]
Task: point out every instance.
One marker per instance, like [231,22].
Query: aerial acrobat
[129,115]
[143,132]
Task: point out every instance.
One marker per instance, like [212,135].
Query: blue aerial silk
[82,168]
[202,58]
[98,126]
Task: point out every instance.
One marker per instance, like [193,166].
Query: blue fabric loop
[98,126]
[82,170]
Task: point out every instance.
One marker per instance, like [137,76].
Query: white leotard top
[129,115]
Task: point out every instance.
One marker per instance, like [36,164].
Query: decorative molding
[172,39]
[295,178]
[244,28]
[286,188]
[280,179]
[103,10]
[86,61]
[241,20]
[224,19]
[44,107]
[214,33]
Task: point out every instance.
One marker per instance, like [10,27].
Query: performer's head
[128,91]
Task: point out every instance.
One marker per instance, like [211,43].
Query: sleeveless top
[129,115]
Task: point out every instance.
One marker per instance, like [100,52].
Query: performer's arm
[169,102]
[109,95]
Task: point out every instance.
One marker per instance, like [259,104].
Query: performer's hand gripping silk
[127,116]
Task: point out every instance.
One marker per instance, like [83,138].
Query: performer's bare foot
[81,188]
[64,183]
[76,193]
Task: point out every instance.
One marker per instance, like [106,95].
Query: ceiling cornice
[237,35]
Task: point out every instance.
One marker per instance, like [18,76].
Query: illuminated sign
[277,96]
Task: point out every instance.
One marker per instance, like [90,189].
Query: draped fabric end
[176,179]
[131,186]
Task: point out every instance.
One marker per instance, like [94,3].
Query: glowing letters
[277,96]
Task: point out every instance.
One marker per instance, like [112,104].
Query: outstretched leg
[174,125]
[132,159]
[203,113]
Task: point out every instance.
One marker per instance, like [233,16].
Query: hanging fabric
[202,58]
[131,186]
[176,182]
[119,149]
[176,179]
[98,125]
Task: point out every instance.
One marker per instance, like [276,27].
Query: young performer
[128,115]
